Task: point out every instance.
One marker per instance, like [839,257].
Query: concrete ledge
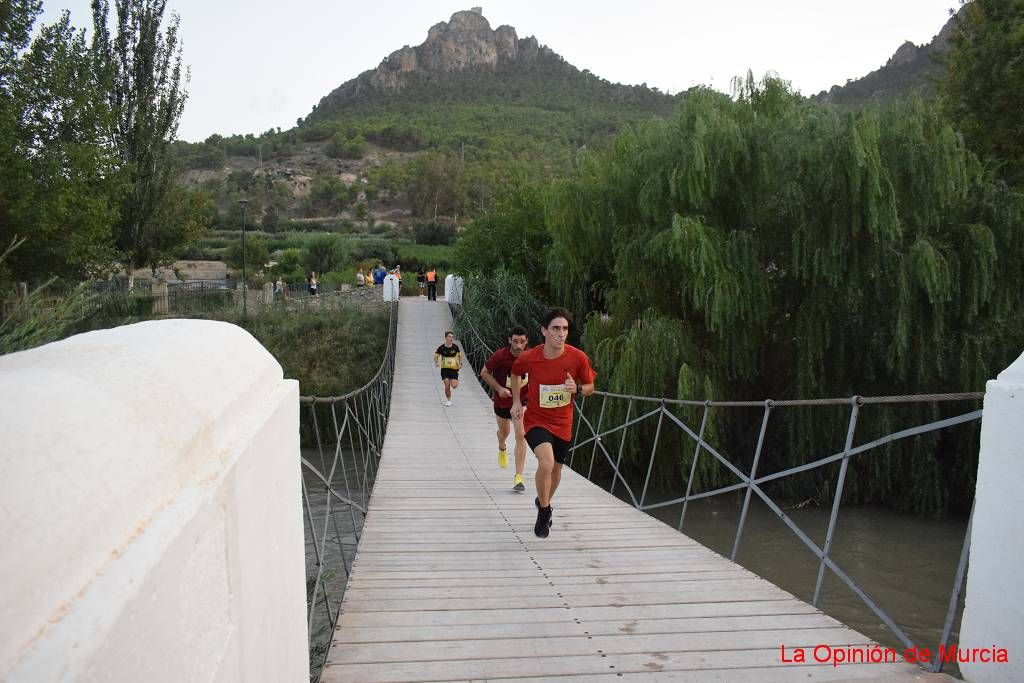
[150,500]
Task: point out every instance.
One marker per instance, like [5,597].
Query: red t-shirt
[550,405]
[500,366]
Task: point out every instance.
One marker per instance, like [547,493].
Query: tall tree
[55,172]
[140,65]
[983,91]
[769,246]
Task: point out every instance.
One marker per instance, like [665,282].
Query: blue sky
[259,64]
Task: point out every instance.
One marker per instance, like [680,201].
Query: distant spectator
[398,272]
[278,285]
[360,279]
[421,279]
[432,284]
[379,274]
[311,283]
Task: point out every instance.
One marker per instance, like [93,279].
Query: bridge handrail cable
[479,351]
[354,432]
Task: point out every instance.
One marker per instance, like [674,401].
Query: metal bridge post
[597,437]
[854,412]
[654,448]
[750,480]
[622,446]
[693,465]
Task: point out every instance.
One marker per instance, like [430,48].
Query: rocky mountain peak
[465,41]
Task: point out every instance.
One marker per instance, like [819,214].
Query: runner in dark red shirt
[497,374]
[557,371]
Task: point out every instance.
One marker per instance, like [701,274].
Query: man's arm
[517,406]
[587,389]
[493,383]
[437,359]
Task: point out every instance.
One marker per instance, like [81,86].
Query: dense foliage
[983,92]
[769,246]
[84,130]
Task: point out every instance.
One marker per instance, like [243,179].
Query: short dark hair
[447,332]
[553,313]
[517,331]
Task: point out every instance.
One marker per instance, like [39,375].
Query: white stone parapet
[150,509]
[994,601]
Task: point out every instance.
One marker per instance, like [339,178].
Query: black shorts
[538,435]
[448,373]
[504,412]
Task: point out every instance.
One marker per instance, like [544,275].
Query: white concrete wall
[453,289]
[150,509]
[994,601]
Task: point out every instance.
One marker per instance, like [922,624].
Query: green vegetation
[330,350]
[84,135]
[983,92]
[769,246]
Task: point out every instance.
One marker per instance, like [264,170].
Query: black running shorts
[448,373]
[505,413]
[538,435]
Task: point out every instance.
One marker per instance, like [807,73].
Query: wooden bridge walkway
[451,584]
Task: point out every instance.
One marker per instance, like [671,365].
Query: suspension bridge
[160,540]
[450,583]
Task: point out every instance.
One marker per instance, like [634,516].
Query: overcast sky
[259,64]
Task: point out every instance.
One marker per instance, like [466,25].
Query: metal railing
[640,409]
[345,436]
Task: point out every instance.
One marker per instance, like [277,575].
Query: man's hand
[517,410]
[570,383]
[504,392]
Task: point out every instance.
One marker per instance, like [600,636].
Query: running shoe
[543,525]
[502,458]
[519,485]
[536,502]
[448,404]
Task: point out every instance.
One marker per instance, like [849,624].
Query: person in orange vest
[432,284]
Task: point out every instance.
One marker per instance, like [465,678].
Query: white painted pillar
[994,601]
[392,288]
[150,509]
[453,289]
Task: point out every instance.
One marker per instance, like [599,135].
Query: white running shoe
[447,403]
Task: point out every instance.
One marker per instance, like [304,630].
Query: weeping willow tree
[769,246]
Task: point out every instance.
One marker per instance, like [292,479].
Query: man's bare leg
[503,429]
[520,446]
[555,479]
[545,464]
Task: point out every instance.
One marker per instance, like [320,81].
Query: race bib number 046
[553,396]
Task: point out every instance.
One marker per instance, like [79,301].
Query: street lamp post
[245,310]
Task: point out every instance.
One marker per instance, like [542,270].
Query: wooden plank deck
[450,582]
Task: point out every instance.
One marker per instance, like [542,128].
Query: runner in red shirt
[557,371]
[496,374]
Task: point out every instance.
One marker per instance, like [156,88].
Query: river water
[905,563]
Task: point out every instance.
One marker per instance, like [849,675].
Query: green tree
[511,236]
[983,90]
[256,255]
[770,246]
[324,253]
[141,72]
[54,169]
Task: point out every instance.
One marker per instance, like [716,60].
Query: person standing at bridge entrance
[557,371]
[432,284]
[448,357]
[497,374]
